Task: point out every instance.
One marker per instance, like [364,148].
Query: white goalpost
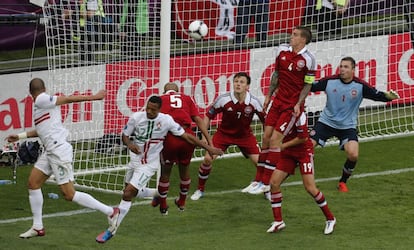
[132,48]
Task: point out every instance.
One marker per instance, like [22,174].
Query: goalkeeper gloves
[391,95]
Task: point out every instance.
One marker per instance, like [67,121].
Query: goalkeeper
[345,93]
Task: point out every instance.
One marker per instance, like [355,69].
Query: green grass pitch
[377,213]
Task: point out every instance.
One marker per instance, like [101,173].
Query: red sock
[271,162]
[260,167]
[163,191]
[323,204]
[276,202]
[203,173]
[184,187]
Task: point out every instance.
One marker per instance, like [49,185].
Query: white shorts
[138,174]
[57,162]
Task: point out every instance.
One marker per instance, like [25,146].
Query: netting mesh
[117,45]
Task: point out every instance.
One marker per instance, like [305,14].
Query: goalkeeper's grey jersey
[343,100]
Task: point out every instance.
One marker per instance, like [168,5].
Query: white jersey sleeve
[45,101]
[130,126]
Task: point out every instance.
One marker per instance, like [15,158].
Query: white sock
[147,192]
[36,205]
[86,200]
[124,207]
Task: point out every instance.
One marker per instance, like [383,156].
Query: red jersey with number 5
[181,107]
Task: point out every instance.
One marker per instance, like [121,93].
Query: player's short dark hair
[305,32]
[36,85]
[155,99]
[243,74]
[349,59]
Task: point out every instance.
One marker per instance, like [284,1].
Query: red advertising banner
[203,77]
[401,66]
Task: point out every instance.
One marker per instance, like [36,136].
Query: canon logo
[132,93]
[405,67]
[18,114]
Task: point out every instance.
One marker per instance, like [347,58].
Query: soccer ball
[197,29]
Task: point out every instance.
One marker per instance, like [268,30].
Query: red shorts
[247,145]
[177,150]
[281,119]
[289,160]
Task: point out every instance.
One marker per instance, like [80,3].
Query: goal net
[132,48]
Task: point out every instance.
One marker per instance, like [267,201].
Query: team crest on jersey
[300,65]
[248,110]
[158,126]
[354,93]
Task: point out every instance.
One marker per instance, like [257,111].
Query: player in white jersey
[57,156]
[148,130]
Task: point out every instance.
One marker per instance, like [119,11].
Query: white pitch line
[146,202]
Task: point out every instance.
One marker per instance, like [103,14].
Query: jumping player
[295,68]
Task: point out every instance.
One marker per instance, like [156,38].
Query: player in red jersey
[176,150]
[238,108]
[295,68]
[297,150]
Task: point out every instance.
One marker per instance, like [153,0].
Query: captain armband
[309,79]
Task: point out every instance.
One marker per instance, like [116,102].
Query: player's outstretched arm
[391,95]
[203,125]
[23,135]
[81,98]
[194,140]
